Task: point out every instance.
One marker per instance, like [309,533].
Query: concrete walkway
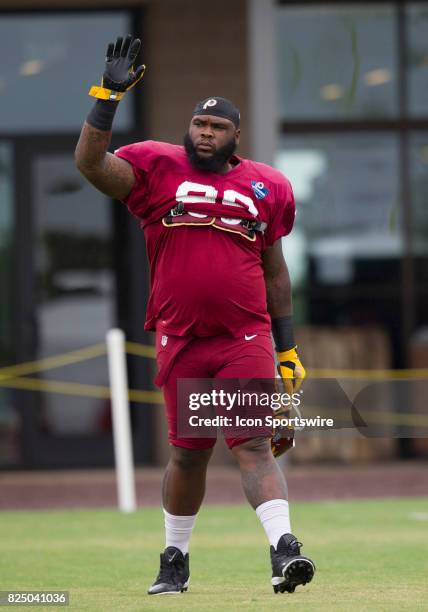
[97,488]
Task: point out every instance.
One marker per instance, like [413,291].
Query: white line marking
[419,516]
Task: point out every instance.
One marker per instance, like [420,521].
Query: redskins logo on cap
[210,102]
[219,107]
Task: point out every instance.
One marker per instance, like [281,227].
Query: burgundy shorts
[203,358]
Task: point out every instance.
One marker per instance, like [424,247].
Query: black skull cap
[219,107]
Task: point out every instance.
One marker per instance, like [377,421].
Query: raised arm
[108,173]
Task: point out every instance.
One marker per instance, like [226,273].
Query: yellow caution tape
[141,350]
[369,416]
[56,386]
[11,377]
[147,350]
[56,361]
[156,397]
[78,389]
[415,373]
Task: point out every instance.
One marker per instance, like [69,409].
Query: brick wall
[194,50]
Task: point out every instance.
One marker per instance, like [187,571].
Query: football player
[220,287]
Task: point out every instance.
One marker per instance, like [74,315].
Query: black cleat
[289,568]
[173,575]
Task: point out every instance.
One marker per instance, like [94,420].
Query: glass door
[9,416]
[75,288]
[79,268]
[68,301]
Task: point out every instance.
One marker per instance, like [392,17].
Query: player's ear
[237,135]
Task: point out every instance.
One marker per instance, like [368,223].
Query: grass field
[370,555]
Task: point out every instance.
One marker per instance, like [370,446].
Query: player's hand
[282,437]
[292,373]
[119,74]
[291,370]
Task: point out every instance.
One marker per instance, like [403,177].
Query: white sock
[275,517]
[178,530]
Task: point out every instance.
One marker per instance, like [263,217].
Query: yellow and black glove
[292,373]
[119,75]
[291,370]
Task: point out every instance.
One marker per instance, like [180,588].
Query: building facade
[333,94]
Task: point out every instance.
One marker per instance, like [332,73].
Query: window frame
[402,126]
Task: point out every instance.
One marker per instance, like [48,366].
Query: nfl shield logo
[164,340]
[260,191]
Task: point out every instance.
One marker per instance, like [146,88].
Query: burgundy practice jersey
[206,257]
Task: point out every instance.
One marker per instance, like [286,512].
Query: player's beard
[216,162]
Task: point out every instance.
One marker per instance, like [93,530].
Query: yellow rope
[155,397]
[368,415]
[414,374]
[147,350]
[78,389]
[11,377]
[55,361]
[141,350]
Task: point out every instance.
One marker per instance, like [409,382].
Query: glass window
[347,244]
[75,288]
[337,62]
[417,58]
[419,177]
[418,145]
[55,60]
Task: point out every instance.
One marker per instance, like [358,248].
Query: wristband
[283,333]
[102,115]
[102,93]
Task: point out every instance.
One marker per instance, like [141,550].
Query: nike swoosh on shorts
[250,337]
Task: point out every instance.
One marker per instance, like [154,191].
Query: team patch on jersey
[260,191]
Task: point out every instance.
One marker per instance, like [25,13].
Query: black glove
[119,75]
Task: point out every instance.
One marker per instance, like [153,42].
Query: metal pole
[121,423]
